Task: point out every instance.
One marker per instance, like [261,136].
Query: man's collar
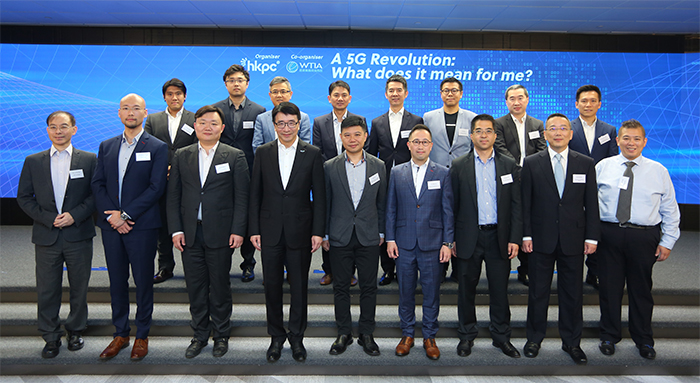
[68,149]
[136,139]
[564,153]
[427,162]
[518,121]
[399,113]
[585,124]
[347,159]
[335,117]
[178,114]
[212,150]
[293,146]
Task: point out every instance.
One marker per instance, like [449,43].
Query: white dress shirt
[174,123]
[589,132]
[206,157]
[395,125]
[522,136]
[60,168]
[286,160]
[336,130]
[418,173]
[564,159]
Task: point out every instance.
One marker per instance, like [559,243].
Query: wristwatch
[449,245]
[124,216]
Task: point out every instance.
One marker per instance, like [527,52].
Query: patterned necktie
[624,202]
[559,174]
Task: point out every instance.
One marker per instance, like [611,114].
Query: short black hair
[632,124]
[588,88]
[553,115]
[420,127]
[396,78]
[209,109]
[56,113]
[354,121]
[235,68]
[483,117]
[286,108]
[338,84]
[451,79]
[176,83]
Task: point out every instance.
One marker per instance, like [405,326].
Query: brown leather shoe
[431,349]
[140,349]
[326,280]
[118,343]
[404,346]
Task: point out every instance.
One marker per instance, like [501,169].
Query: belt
[628,225]
[492,226]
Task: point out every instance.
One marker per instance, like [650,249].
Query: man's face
[517,102]
[483,135]
[353,138]
[588,103]
[209,127]
[420,144]
[287,127]
[396,94]
[236,84]
[558,133]
[60,130]
[631,142]
[174,98]
[132,111]
[280,93]
[339,98]
[450,93]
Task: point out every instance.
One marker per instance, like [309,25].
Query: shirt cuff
[381,235]
[527,238]
[325,238]
[178,233]
[592,241]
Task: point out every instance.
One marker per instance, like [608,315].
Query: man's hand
[662,253]
[255,239]
[512,250]
[115,219]
[527,246]
[326,245]
[445,254]
[589,248]
[179,241]
[392,250]
[125,228]
[235,241]
[454,249]
[316,242]
[63,220]
[381,241]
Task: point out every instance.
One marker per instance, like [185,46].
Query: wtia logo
[293,67]
[255,66]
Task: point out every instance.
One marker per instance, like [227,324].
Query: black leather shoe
[464,348]
[195,348]
[248,274]
[220,347]
[577,355]
[274,351]
[522,278]
[386,279]
[52,348]
[162,276]
[507,349]
[592,280]
[75,341]
[368,344]
[607,347]
[341,343]
[531,349]
[298,350]
[647,351]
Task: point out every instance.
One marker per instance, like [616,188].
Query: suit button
[450,153]
[418,206]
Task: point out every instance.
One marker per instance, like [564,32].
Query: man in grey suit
[355,213]
[175,127]
[54,190]
[280,91]
[519,135]
[207,216]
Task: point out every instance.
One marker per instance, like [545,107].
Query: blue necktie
[559,174]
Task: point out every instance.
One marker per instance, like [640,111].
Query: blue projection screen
[659,90]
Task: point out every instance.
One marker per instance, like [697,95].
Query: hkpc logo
[262,67]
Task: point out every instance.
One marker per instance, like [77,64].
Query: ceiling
[583,16]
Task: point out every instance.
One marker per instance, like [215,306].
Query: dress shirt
[356,178]
[60,168]
[589,132]
[653,195]
[126,150]
[522,136]
[336,131]
[418,175]
[485,174]
[174,122]
[205,159]
[234,114]
[286,160]
[564,160]
[395,125]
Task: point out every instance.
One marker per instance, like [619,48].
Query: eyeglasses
[236,81]
[421,142]
[479,132]
[61,128]
[289,124]
[562,129]
[448,91]
[281,91]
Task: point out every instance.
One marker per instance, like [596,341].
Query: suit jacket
[265,129]
[36,198]
[443,153]
[341,214]
[426,220]
[569,220]
[143,184]
[466,209]
[324,136]
[507,137]
[157,126]
[598,152]
[273,209]
[224,196]
[381,145]
[241,137]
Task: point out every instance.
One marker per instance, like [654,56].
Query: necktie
[559,174]
[624,202]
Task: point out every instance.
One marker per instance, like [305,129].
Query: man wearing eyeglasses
[280,91]
[240,114]
[560,225]
[420,236]
[285,225]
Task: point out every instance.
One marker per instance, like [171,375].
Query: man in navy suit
[280,91]
[597,140]
[420,236]
[560,225]
[54,190]
[129,179]
[388,138]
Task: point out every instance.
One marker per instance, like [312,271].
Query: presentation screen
[659,90]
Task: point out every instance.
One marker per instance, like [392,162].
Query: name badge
[187,129]
[374,179]
[464,132]
[434,185]
[506,179]
[604,138]
[579,178]
[222,168]
[75,174]
[248,124]
[624,181]
[535,134]
[405,133]
[143,156]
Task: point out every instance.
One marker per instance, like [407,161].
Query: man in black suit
[54,190]
[285,225]
[175,127]
[239,125]
[488,228]
[207,216]
[326,136]
[519,135]
[560,225]
[388,140]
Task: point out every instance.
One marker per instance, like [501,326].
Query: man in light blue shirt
[280,91]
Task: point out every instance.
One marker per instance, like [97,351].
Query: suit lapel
[344,177]
[429,175]
[546,169]
[328,125]
[470,169]
[579,135]
[569,172]
[46,168]
[598,133]
[299,158]
[139,145]
[513,130]
[219,158]
[74,164]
